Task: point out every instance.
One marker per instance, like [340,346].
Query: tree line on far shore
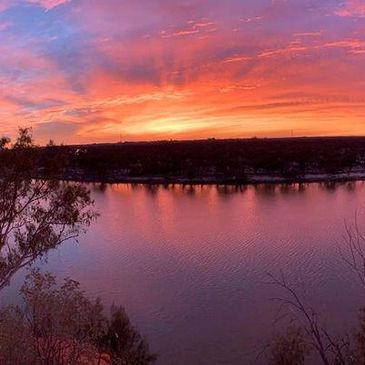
[219,159]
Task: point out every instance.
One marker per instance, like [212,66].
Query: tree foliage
[290,348]
[59,325]
[35,215]
[222,160]
[123,342]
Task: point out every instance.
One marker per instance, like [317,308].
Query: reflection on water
[226,189]
[189,262]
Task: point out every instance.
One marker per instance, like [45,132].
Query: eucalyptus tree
[36,215]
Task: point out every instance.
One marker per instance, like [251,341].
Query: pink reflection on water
[188,262]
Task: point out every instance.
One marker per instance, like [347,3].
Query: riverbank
[235,162]
[250,179]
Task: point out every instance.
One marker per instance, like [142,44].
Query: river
[190,264]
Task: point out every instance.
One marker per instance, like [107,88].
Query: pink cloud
[236,59]
[4,4]
[48,4]
[353,8]
[182,33]
[4,25]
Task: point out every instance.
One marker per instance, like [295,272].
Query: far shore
[212,162]
[253,179]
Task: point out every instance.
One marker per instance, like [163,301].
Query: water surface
[189,263]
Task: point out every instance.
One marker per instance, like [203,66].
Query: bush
[59,325]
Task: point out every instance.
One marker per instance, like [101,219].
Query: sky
[85,71]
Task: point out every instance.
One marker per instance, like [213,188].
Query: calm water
[189,264]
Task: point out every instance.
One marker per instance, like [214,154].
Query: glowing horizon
[81,71]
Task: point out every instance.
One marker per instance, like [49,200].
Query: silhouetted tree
[36,215]
[59,325]
[123,342]
[332,350]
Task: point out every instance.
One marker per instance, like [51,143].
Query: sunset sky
[104,70]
